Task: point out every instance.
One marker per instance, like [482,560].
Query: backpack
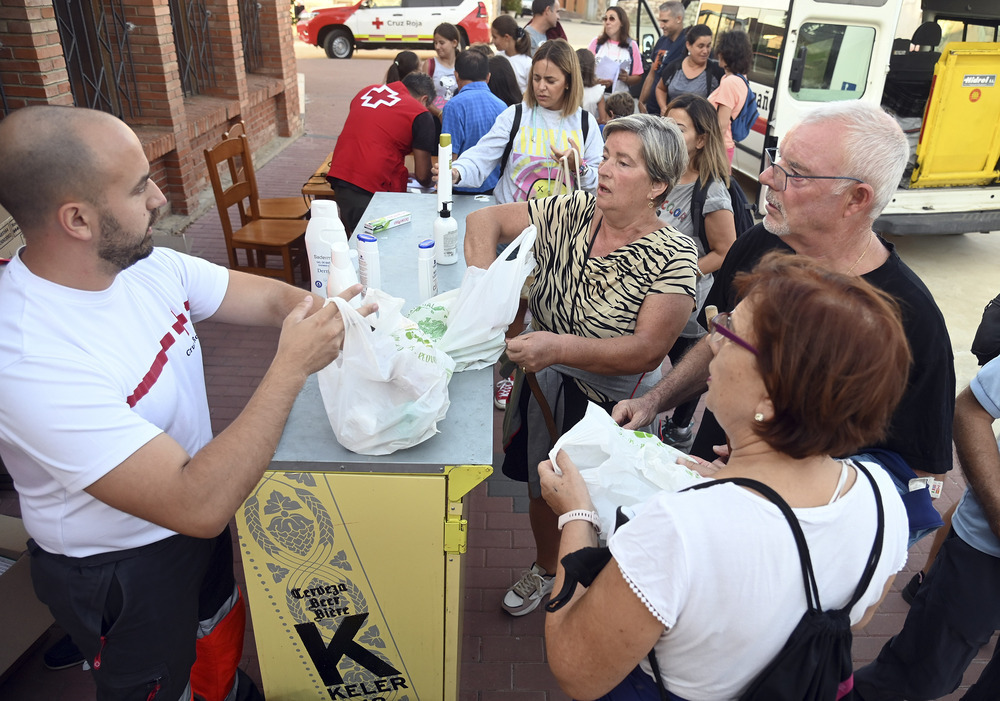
[744,121]
[815,662]
[742,210]
[986,344]
[585,118]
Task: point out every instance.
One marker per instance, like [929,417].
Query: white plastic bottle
[368,261]
[342,273]
[446,238]
[426,270]
[323,230]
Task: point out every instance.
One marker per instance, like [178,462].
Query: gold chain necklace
[851,269]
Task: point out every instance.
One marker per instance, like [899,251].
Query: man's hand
[310,340]
[634,413]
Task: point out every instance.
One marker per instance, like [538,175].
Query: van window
[766,29]
[837,60]
[966,30]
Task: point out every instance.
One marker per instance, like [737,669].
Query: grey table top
[466,433]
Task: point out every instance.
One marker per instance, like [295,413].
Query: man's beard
[776,228]
[119,249]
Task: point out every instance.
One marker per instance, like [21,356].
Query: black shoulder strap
[585,128]
[510,141]
[697,218]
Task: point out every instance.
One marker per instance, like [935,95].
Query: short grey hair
[874,146]
[674,7]
[664,152]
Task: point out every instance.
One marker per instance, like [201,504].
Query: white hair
[874,146]
[674,7]
[663,149]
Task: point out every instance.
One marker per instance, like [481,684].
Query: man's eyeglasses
[782,176]
[720,326]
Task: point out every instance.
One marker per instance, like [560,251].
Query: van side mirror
[797,71]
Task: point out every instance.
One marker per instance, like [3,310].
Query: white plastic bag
[388,388]
[469,323]
[621,467]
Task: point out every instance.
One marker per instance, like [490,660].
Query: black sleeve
[424,133]
[921,427]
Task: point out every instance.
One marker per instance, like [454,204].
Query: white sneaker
[528,592]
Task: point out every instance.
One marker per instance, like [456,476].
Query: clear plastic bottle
[426,270]
[446,238]
[368,261]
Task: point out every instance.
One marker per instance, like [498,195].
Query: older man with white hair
[832,176]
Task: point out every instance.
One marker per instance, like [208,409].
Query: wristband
[583,169]
[581,515]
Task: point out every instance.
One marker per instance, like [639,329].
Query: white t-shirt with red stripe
[88,378]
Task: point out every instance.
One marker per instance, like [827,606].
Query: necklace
[851,269]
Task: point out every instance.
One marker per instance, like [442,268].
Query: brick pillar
[279,61]
[158,85]
[32,66]
[227,50]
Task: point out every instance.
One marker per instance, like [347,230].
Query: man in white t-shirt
[104,421]
[544,16]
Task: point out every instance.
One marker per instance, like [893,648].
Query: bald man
[104,421]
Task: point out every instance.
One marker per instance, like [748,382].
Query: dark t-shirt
[425,132]
[920,429]
[672,50]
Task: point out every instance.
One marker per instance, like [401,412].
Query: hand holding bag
[388,389]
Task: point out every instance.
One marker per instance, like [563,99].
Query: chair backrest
[237,130]
[242,192]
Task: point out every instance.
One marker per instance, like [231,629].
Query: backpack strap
[697,218]
[734,115]
[876,551]
[510,141]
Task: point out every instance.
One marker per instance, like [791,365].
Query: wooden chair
[257,237]
[317,187]
[270,207]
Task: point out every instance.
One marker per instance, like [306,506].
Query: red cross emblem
[378,23]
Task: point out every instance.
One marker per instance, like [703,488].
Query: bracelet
[583,169]
[581,515]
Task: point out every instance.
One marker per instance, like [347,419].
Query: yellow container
[960,138]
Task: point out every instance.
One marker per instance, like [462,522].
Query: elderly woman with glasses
[613,288]
[809,364]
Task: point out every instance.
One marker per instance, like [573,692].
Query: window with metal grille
[95,40]
[194,49]
[253,52]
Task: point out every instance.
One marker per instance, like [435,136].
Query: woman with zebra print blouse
[613,288]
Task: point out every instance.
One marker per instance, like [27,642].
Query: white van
[933,64]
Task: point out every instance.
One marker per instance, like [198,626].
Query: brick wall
[174,130]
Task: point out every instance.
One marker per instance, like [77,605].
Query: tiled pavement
[503,658]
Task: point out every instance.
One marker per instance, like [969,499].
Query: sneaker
[680,437]
[528,592]
[909,592]
[63,655]
[502,393]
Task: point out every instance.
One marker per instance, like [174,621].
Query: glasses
[721,326]
[782,176]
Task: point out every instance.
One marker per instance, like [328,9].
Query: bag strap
[510,141]
[746,100]
[697,218]
[550,422]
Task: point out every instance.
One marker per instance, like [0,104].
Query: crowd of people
[826,370]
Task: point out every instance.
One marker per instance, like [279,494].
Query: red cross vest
[376,138]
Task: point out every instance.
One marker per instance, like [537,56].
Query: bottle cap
[445,140]
[444,210]
[341,254]
[367,238]
[426,243]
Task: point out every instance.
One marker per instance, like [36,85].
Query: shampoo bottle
[446,237]
[426,270]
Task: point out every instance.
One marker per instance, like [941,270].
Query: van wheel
[463,38]
[338,44]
